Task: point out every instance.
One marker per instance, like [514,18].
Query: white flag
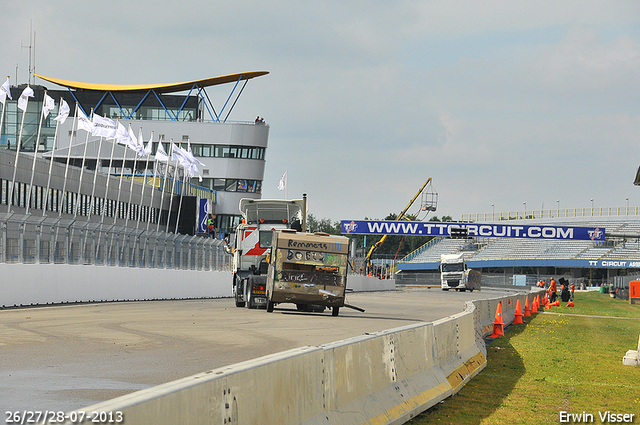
[161,154]
[5,91]
[136,143]
[283,182]
[84,123]
[123,137]
[103,127]
[48,105]
[178,154]
[149,146]
[24,98]
[63,112]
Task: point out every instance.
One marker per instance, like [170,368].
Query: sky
[505,105]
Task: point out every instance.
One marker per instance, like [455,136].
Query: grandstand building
[500,258]
[233,152]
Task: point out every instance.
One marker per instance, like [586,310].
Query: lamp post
[525,209]
[627,205]
[591,207]
[558,202]
[493,212]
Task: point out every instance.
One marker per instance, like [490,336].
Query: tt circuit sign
[414,228]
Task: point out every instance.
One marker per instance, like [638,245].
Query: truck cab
[455,274]
[252,241]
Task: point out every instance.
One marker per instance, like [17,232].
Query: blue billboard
[434,228]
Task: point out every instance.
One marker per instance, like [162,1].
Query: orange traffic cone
[527,310]
[498,324]
[534,304]
[570,303]
[556,304]
[547,306]
[518,318]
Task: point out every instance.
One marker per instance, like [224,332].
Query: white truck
[253,236]
[455,274]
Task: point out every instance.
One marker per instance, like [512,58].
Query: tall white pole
[106,190]
[15,165]
[4,107]
[173,185]
[144,183]
[164,185]
[35,154]
[124,161]
[84,156]
[53,149]
[66,170]
[95,175]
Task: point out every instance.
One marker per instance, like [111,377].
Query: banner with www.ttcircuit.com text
[434,228]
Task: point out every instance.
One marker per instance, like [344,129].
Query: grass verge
[571,362]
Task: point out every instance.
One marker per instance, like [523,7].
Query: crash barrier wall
[380,378]
[42,284]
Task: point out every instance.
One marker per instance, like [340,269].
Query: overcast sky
[500,102]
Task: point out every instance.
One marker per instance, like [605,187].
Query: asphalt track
[71,356]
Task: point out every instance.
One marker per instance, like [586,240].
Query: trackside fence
[26,239]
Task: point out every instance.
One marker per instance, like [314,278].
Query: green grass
[553,363]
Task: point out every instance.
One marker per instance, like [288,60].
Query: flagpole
[164,186]
[66,170]
[4,107]
[84,156]
[133,174]
[144,181]
[15,165]
[53,149]
[35,152]
[95,175]
[286,184]
[106,190]
[173,185]
[124,160]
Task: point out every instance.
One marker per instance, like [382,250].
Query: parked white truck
[455,274]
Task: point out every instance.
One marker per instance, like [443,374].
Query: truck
[455,274]
[308,270]
[252,241]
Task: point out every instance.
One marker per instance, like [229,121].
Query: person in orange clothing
[573,289]
[552,291]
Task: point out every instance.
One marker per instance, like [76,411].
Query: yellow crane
[428,207]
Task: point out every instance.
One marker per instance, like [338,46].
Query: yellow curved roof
[160,88]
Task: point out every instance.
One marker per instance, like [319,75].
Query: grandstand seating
[616,247]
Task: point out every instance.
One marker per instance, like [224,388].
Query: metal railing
[46,240]
[552,213]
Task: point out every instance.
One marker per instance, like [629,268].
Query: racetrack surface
[68,357]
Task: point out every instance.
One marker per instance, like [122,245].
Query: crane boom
[383,238]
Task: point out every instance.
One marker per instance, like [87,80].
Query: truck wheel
[335,311]
[250,299]
[445,289]
[270,305]
[237,291]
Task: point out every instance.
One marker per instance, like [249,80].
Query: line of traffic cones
[498,322]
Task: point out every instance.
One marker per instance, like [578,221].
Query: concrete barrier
[382,378]
[42,284]
[29,284]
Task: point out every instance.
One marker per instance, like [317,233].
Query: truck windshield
[265,238]
[452,267]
